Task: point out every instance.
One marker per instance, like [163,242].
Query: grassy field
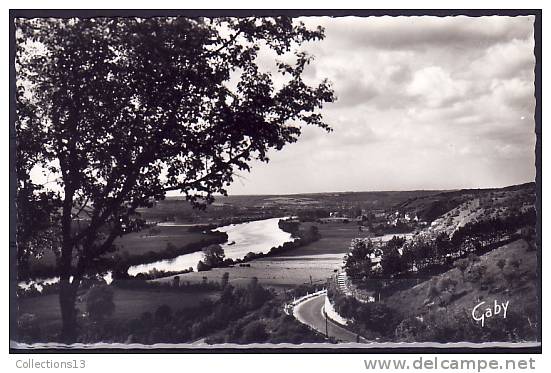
[335,239]
[129,304]
[314,262]
[142,242]
[277,273]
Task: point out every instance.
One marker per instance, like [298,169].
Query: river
[40,283]
[257,236]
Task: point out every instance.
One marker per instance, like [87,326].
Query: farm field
[314,262]
[279,273]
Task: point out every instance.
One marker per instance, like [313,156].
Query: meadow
[311,263]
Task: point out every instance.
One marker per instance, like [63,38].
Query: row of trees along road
[124,110]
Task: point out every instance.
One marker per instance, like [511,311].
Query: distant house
[379,215]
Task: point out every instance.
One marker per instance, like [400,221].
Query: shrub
[409,329]
[289,330]
[377,316]
[447,284]
[202,266]
[462,265]
[433,291]
[510,274]
[473,258]
[501,264]
[254,332]
[176,281]
[476,273]
[515,263]
[99,302]
[445,298]
[224,280]
[255,295]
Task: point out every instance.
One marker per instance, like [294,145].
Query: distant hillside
[428,205]
[465,205]
[351,203]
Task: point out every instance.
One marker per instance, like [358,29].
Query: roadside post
[326,324]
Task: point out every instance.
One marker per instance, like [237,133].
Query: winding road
[310,312]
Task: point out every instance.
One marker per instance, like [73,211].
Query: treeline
[289,226]
[215,258]
[227,221]
[490,230]
[120,262]
[303,238]
[384,228]
[372,320]
[434,253]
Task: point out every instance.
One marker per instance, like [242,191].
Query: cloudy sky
[423,103]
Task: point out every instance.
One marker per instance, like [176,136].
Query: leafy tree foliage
[372,316]
[358,261]
[120,111]
[255,294]
[391,261]
[213,255]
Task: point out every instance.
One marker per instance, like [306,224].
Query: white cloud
[424,102]
[436,87]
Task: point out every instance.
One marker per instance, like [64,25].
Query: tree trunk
[67,289]
[67,300]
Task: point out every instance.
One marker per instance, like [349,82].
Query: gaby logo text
[481,313]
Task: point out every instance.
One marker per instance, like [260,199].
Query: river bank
[255,237]
[238,240]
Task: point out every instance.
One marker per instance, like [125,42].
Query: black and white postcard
[275,180]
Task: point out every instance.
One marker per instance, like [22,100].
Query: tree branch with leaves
[124,110]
